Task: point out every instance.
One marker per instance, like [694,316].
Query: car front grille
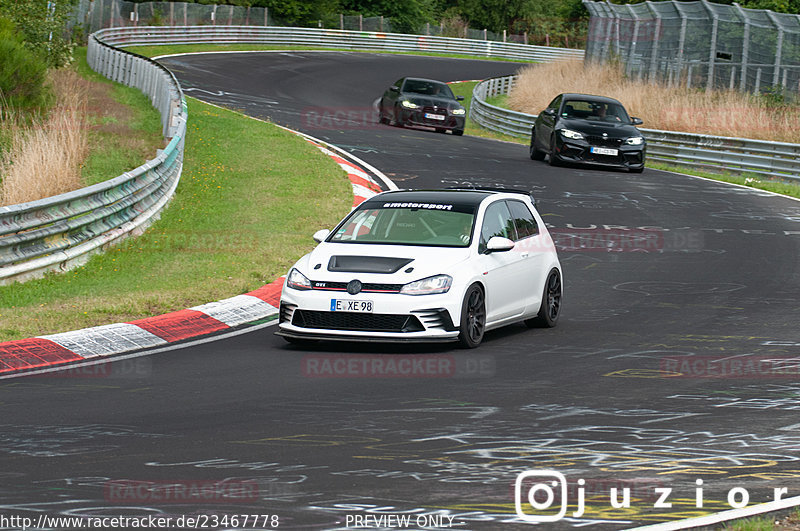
[363,322]
[601,141]
[370,287]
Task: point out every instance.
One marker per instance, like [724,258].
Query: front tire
[458,132]
[536,154]
[553,159]
[550,308]
[473,317]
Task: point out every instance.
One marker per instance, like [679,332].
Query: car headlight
[569,133]
[635,141]
[298,280]
[409,104]
[428,286]
[458,112]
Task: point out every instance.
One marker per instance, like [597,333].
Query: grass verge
[125,128]
[790,522]
[250,196]
[169,49]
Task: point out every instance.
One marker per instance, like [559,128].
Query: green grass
[118,143]
[169,49]
[787,522]
[250,196]
[465,89]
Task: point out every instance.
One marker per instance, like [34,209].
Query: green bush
[22,75]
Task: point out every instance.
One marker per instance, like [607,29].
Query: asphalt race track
[677,291]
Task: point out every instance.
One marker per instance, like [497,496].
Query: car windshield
[428,224]
[428,88]
[597,111]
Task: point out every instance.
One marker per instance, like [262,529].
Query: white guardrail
[60,232]
[713,153]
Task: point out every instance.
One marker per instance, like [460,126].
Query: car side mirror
[460,98]
[320,235]
[394,89]
[498,244]
[549,112]
[636,121]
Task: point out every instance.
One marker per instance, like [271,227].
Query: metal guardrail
[713,153]
[332,38]
[63,231]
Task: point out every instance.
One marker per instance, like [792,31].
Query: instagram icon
[538,488]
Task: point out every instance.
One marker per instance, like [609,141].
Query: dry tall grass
[721,113]
[45,158]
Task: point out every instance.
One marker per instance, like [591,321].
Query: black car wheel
[536,154]
[458,132]
[382,116]
[553,159]
[551,303]
[473,317]
[397,121]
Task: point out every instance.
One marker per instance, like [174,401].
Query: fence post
[632,53]
[656,41]
[266,16]
[682,41]
[484,35]
[230,15]
[172,13]
[504,35]
[778,48]
[341,21]
[427,28]
[712,54]
[185,14]
[214,15]
[360,22]
[381,23]
[745,47]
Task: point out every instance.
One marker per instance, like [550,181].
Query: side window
[523,219]
[555,104]
[496,222]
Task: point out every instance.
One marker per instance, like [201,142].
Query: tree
[42,25]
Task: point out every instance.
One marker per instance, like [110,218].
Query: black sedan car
[422,102]
[588,129]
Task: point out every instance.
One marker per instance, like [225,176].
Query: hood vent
[367,264]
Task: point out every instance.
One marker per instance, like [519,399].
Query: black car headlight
[297,280]
[569,133]
[635,141]
[458,112]
[408,104]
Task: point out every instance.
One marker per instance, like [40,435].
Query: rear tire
[473,317]
[550,308]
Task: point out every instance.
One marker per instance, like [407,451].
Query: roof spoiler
[496,189]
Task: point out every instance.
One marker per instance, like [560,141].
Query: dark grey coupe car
[422,102]
[588,129]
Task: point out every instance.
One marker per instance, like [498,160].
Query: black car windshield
[428,224]
[597,111]
[428,88]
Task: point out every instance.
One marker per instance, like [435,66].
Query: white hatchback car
[426,265]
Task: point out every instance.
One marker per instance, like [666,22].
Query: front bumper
[417,117]
[579,151]
[395,317]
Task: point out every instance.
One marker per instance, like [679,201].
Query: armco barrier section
[62,231]
[713,153]
[331,38]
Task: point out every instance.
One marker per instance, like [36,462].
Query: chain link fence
[699,44]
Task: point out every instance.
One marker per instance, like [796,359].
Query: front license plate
[346,305]
[604,151]
[432,116]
